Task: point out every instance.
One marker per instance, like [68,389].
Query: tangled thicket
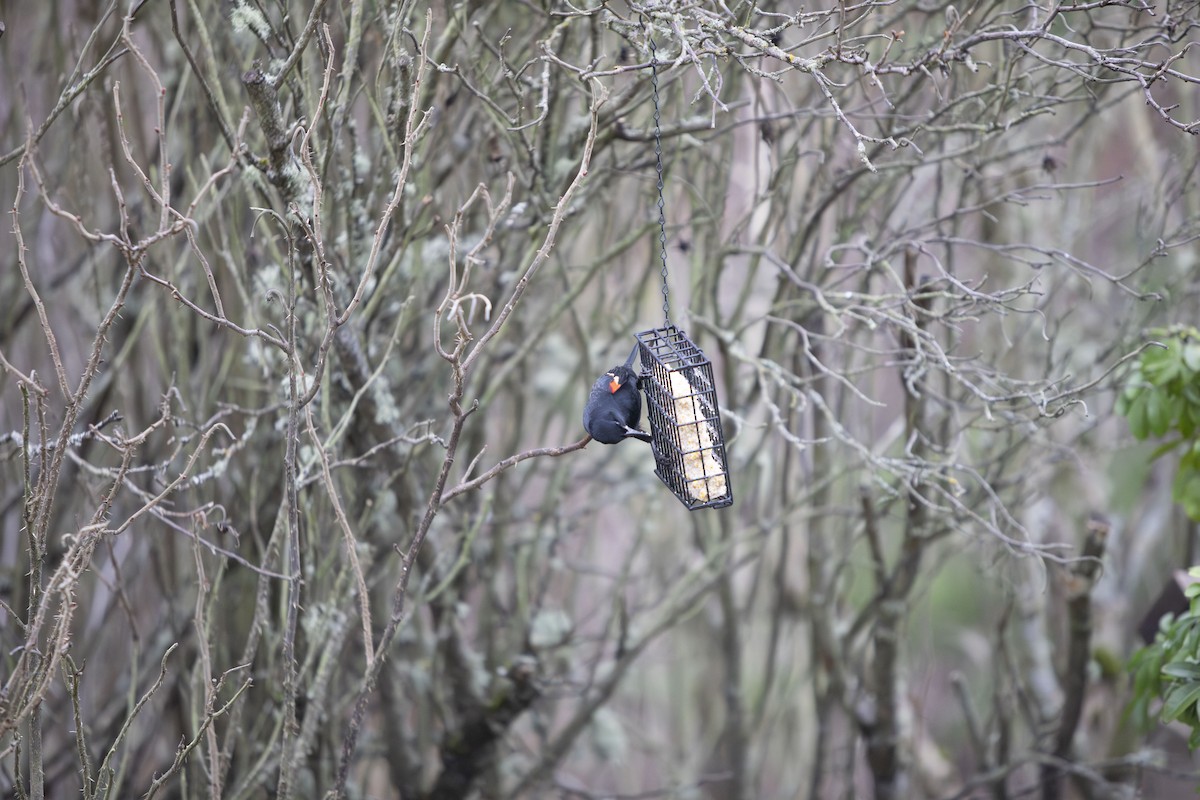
[303,301]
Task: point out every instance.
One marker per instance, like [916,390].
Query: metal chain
[658,163]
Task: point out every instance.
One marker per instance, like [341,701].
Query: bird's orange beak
[613,385]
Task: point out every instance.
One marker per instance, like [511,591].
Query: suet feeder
[677,379]
[685,420]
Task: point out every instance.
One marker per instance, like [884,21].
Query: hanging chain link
[658,163]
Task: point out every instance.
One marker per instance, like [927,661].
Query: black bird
[614,407]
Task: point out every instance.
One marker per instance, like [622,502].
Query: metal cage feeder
[685,420]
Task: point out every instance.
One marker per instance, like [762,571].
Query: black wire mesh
[685,420]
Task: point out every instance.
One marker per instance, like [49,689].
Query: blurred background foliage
[302,303]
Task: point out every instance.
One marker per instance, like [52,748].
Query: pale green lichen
[303,384]
[254,180]
[608,736]
[268,279]
[244,18]
[386,411]
[320,619]
[300,188]
[308,454]
[384,509]
[550,628]
[362,164]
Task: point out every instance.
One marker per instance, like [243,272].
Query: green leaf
[1184,670]
[1189,461]
[1138,712]
[1122,406]
[1180,701]
[1187,419]
[1191,392]
[1158,413]
[1175,406]
[1186,646]
[1161,366]
[1165,448]
[1191,356]
[1137,416]
[1186,491]
[1191,507]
